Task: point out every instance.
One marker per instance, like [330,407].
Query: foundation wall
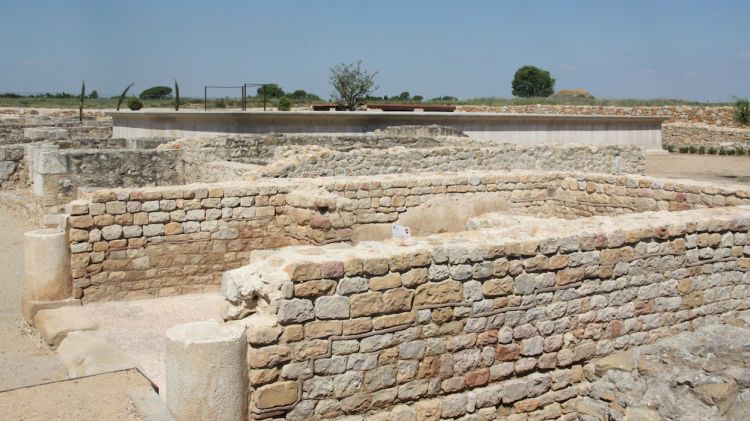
[56,174]
[480,324]
[144,242]
[679,135]
[322,162]
[12,166]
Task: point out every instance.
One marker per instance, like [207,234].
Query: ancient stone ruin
[531,275]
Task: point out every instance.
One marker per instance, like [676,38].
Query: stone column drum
[207,371]
[47,265]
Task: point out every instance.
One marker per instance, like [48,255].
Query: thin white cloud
[744,55]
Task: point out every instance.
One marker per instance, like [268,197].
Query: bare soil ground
[101,397]
[723,169]
[24,359]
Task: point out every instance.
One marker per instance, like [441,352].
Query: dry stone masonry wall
[715,116]
[680,135]
[321,162]
[479,325]
[142,242]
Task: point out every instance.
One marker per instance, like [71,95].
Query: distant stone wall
[14,121]
[12,167]
[56,173]
[146,242]
[679,135]
[317,162]
[716,116]
[483,324]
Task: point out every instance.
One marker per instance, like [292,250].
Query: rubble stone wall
[321,162]
[715,116]
[56,174]
[12,167]
[679,135]
[481,324]
[142,242]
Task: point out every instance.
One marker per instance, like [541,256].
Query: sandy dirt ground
[723,169]
[101,397]
[24,359]
[139,327]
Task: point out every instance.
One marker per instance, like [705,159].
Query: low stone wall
[716,116]
[482,324]
[680,135]
[321,162]
[14,122]
[12,168]
[145,242]
[56,174]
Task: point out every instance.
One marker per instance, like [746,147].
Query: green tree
[417,98]
[94,95]
[272,90]
[531,81]
[156,92]
[351,84]
[404,96]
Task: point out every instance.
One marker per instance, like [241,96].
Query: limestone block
[45,133]
[46,259]
[55,324]
[207,371]
[86,353]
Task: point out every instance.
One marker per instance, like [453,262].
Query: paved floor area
[24,359]
[723,169]
[138,327]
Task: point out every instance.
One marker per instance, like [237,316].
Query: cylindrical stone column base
[47,265]
[207,371]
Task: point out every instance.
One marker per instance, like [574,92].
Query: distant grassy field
[197,103]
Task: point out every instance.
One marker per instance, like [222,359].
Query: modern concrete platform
[513,128]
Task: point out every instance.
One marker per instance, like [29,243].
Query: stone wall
[316,161]
[145,242]
[15,121]
[680,135]
[480,325]
[716,116]
[12,168]
[56,174]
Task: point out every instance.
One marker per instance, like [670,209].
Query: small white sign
[400,231]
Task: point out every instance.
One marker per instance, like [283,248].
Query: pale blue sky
[687,49]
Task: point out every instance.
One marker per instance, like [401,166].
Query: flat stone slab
[86,353]
[148,404]
[55,324]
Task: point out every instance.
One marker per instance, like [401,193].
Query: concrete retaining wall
[521,128]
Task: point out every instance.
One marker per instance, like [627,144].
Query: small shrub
[741,151]
[702,150]
[683,149]
[722,151]
[692,149]
[731,152]
[670,148]
[220,103]
[135,104]
[284,104]
[742,111]
[712,151]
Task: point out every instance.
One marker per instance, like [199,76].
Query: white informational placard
[400,231]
